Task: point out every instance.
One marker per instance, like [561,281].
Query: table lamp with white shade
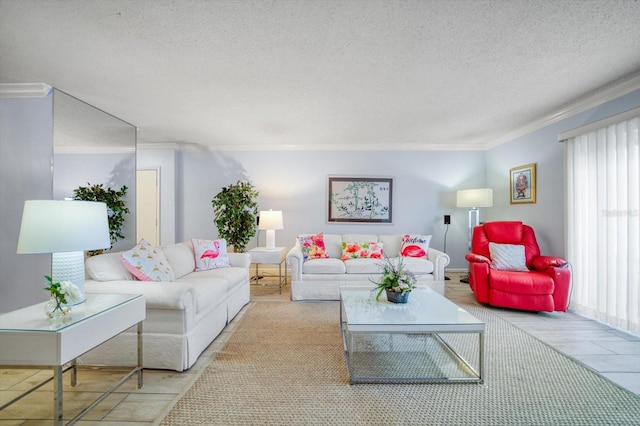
[271,220]
[66,229]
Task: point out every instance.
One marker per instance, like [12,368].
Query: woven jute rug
[285,365]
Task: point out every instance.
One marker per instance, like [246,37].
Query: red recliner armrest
[543,262]
[556,268]
[476,258]
[479,276]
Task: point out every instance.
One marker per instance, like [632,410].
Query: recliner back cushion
[504,232]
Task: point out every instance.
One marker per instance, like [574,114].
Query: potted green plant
[116,207]
[236,209]
[396,280]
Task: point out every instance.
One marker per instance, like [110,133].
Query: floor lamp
[474,199]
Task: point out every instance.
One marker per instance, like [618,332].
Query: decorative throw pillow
[147,263]
[312,246]
[210,254]
[415,245]
[508,257]
[371,250]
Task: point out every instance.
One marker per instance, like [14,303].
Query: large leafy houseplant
[236,209]
[116,206]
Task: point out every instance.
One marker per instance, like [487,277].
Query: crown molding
[24,90]
[591,100]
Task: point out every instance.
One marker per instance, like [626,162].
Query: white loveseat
[321,279]
[182,316]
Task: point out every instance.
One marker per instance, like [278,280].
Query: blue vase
[394,297]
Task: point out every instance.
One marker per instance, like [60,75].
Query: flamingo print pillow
[415,245]
[210,254]
[147,263]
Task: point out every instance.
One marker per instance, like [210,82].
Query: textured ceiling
[350,74]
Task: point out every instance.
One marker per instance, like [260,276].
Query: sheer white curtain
[603,232]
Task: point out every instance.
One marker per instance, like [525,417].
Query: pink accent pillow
[415,245]
[312,246]
[371,250]
[210,254]
[147,263]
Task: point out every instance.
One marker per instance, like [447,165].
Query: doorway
[147,206]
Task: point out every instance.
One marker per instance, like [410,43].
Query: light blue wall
[547,215]
[425,185]
[26,150]
[296,183]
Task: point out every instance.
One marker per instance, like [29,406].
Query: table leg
[140,378]
[57,395]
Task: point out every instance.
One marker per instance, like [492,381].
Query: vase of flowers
[396,281]
[62,294]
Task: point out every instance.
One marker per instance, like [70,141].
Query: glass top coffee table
[427,340]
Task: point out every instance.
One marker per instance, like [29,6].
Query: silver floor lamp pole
[474,199]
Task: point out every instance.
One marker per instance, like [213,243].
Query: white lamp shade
[50,226]
[481,197]
[270,219]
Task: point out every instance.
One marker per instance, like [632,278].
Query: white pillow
[107,267]
[415,245]
[147,263]
[210,254]
[508,257]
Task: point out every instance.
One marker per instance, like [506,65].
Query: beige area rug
[285,365]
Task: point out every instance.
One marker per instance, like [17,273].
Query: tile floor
[610,352]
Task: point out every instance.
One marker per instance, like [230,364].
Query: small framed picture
[360,199]
[523,184]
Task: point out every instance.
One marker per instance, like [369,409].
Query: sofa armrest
[158,295]
[440,261]
[295,261]
[242,260]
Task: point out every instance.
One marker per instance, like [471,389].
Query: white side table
[30,340]
[276,256]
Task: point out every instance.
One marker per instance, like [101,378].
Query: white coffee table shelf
[416,342]
[30,340]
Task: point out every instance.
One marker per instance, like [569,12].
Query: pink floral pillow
[210,254]
[415,245]
[312,246]
[371,250]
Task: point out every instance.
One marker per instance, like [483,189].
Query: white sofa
[321,279]
[182,316]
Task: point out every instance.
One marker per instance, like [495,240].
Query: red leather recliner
[545,287]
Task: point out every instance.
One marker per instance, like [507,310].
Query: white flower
[71,291]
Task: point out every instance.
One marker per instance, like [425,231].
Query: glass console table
[28,339]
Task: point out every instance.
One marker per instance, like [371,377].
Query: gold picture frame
[522,184]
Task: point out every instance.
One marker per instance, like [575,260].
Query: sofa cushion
[355,250]
[180,257]
[333,245]
[324,266]
[414,245]
[418,266]
[508,257]
[363,266]
[391,244]
[107,267]
[312,246]
[210,254]
[147,263]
